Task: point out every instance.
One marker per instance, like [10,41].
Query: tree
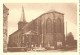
[70,39]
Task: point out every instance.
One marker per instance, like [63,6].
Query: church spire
[22,15]
[22,21]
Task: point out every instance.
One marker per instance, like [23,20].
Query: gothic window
[54,26]
[40,27]
[49,26]
[58,25]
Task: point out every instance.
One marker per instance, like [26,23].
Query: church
[47,30]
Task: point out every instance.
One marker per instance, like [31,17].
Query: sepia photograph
[40,27]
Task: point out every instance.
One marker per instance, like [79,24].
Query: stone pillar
[5,26]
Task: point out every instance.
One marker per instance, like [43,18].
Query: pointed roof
[23,16]
[4,7]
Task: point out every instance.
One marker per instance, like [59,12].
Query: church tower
[22,21]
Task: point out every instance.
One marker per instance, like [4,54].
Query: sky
[33,10]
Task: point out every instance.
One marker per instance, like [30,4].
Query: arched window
[40,26]
[54,26]
[58,25]
[48,26]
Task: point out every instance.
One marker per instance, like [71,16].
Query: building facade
[47,30]
[5,26]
